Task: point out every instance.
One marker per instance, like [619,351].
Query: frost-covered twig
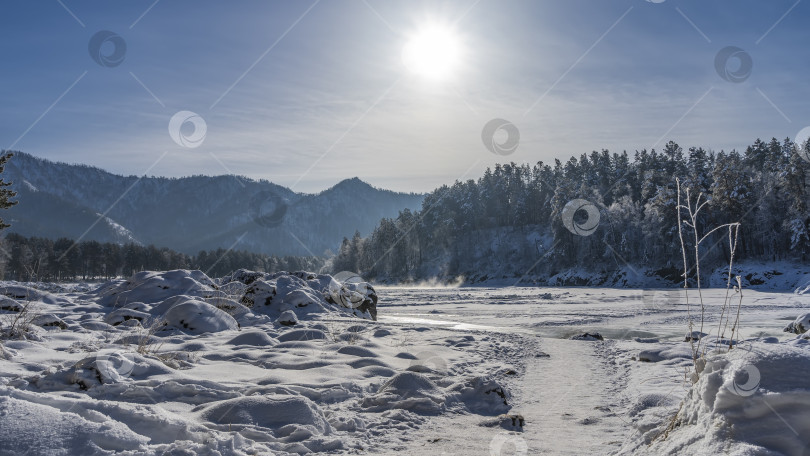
[145,337]
[733,233]
[17,325]
[692,212]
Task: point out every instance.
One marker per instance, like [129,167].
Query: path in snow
[579,400]
[569,401]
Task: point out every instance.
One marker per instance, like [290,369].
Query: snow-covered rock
[800,325]
[300,298]
[481,395]
[119,316]
[24,293]
[198,317]
[664,352]
[152,287]
[510,422]
[259,294]
[588,336]
[49,320]
[409,391]
[231,307]
[104,368]
[242,276]
[694,336]
[354,295]
[163,296]
[9,305]
[287,318]
[273,294]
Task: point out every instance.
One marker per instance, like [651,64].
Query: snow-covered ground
[281,364]
[620,394]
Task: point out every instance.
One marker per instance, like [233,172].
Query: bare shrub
[692,210]
[145,337]
[17,325]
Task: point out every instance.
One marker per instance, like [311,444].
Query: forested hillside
[39,259]
[194,213]
[508,222]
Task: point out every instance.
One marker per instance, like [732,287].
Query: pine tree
[798,217]
[480,226]
[5,193]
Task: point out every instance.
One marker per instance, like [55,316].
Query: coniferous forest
[39,259]
[508,222]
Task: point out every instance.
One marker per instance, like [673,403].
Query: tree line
[40,259]
[510,221]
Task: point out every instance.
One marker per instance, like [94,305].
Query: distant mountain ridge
[194,213]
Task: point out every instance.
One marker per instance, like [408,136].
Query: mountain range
[194,213]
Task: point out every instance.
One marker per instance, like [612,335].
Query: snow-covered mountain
[192,213]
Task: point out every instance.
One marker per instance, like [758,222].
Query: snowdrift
[754,400]
[252,363]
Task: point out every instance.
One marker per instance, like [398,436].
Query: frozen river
[563,312]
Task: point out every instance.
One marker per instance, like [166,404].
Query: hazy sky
[307,93]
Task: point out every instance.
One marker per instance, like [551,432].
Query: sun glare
[432,52]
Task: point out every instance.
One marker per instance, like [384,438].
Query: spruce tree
[5,193]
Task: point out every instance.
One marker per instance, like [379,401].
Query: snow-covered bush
[19,322]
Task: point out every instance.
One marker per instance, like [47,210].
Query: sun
[432,52]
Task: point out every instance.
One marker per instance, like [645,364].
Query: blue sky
[307,93]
